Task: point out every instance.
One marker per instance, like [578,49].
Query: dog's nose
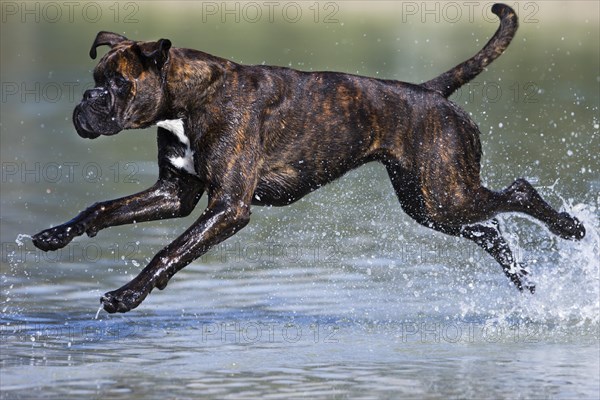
[93,93]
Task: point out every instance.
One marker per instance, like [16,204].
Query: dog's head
[129,90]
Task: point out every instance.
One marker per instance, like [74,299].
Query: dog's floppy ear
[105,38]
[154,53]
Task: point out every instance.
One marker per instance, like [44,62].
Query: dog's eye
[120,82]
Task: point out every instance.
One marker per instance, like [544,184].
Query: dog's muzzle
[92,117]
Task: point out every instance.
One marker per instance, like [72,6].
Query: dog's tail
[454,78]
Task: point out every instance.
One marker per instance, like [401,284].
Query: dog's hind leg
[442,201]
[489,238]
[465,218]
[522,197]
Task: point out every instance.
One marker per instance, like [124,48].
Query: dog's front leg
[219,221]
[167,198]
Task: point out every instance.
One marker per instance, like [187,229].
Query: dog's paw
[525,279]
[524,285]
[568,227]
[530,287]
[55,238]
[519,274]
[122,300]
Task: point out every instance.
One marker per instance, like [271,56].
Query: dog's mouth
[81,125]
[90,125]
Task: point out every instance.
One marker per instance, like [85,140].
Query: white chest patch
[175,126]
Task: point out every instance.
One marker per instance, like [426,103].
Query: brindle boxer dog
[262,135]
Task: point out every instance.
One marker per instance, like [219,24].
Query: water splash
[19,240]
[98,312]
[567,280]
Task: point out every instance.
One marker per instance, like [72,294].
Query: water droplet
[20,237]
[98,312]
